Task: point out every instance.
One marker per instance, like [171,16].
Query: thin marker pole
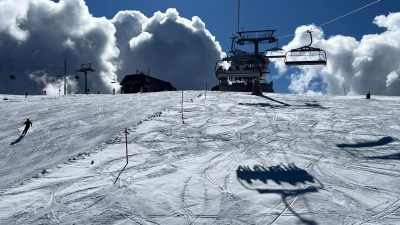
[205,95]
[182,103]
[126,138]
[126,143]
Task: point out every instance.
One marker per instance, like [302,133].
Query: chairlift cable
[6,67]
[336,18]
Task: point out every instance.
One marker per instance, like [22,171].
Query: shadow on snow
[18,140]
[382,141]
[283,104]
[271,99]
[391,156]
[279,174]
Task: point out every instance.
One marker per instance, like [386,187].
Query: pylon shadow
[271,99]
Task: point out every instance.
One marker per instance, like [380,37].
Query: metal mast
[65,75]
[85,71]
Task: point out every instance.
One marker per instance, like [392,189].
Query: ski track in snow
[182,167]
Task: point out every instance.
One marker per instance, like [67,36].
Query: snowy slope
[231,158]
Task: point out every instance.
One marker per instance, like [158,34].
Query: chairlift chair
[275,52]
[12,76]
[308,55]
[259,71]
[76,76]
[60,74]
[113,81]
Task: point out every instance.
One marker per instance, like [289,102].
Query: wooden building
[134,83]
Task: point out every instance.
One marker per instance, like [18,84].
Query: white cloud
[40,33]
[359,66]
[391,77]
[175,49]
[12,14]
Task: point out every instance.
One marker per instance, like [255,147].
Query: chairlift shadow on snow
[279,174]
[395,156]
[18,140]
[305,106]
[314,105]
[380,142]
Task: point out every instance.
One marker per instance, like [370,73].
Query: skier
[26,94]
[113,91]
[27,125]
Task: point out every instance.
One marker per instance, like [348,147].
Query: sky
[228,158]
[180,41]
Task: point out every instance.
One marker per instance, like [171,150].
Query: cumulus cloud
[391,78]
[175,49]
[370,64]
[36,35]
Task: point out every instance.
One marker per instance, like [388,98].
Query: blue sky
[220,17]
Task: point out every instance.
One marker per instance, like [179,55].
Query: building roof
[143,78]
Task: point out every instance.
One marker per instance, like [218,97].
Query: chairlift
[308,55]
[76,76]
[12,76]
[114,80]
[275,52]
[60,74]
[241,70]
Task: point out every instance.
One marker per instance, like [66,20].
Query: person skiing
[113,91]
[27,125]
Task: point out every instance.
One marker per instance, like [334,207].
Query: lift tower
[85,68]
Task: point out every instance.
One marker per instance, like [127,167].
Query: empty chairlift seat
[306,55]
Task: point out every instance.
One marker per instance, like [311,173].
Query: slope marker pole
[182,103]
[205,95]
[126,144]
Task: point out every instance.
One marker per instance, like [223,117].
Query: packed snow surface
[229,158]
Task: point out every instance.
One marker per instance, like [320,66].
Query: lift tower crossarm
[85,71]
[255,37]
